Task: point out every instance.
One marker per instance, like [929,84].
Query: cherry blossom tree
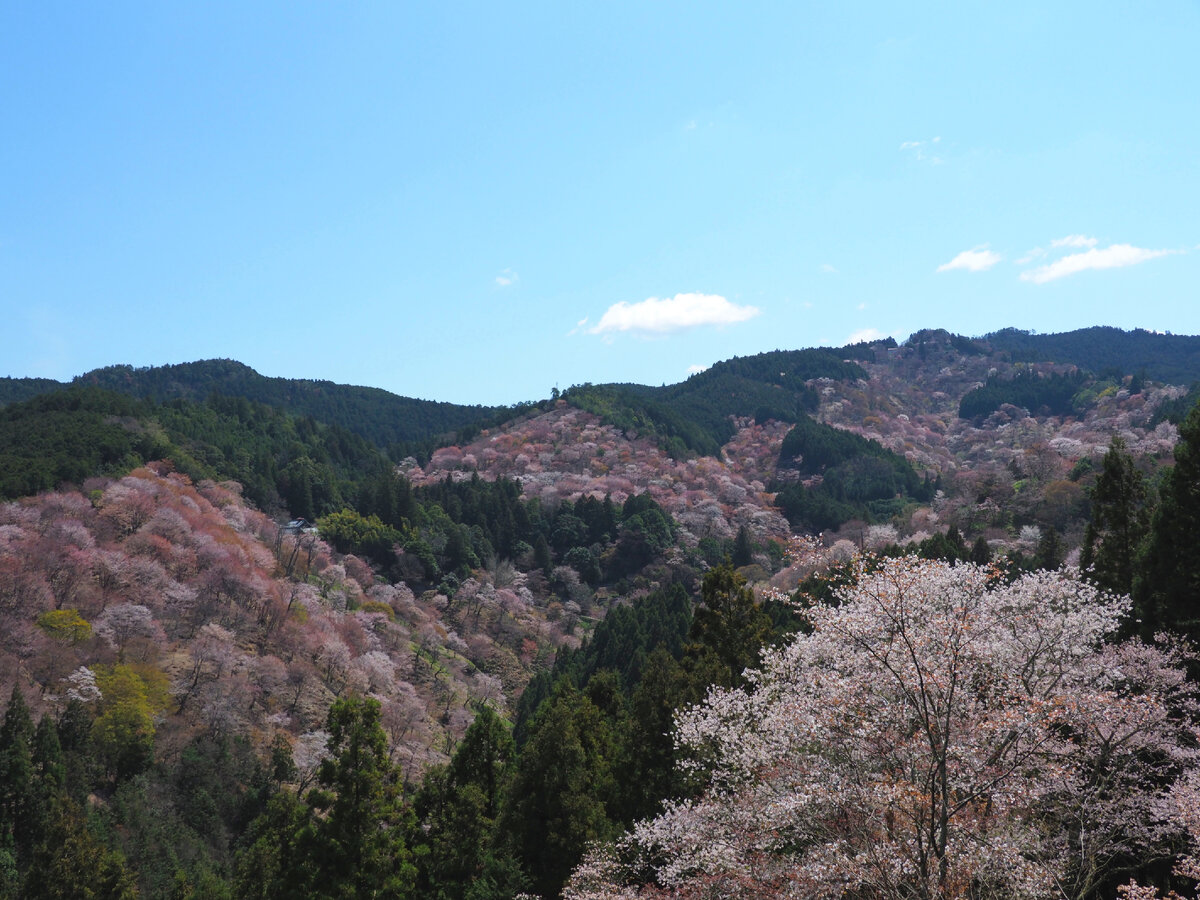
[934,734]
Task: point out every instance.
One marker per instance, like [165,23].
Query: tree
[743,548]
[457,807]
[729,627]
[1167,590]
[356,843]
[71,864]
[123,733]
[16,772]
[1120,521]
[560,794]
[936,735]
[348,838]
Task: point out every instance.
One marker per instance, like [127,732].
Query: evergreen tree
[1049,552]
[270,865]
[349,839]
[648,754]
[562,790]
[16,775]
[50,776]
[357,842]
[1167,591]
[457,808]
[71,864]
[728,630]
[743,549]
[1120,521]
[981,553]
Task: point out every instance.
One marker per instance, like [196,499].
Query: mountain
[385,419]
[1170,358]
[582,568]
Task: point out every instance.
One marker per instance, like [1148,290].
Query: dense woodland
[886,621]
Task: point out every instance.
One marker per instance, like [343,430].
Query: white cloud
[1074,240]
[922,151]
[678,313]
[866,336]
[828,269]
[1030,256]
[980,259]
[507,277]
[696,370]
[862,306]
[1113,257]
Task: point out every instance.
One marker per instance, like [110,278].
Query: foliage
[1163,357]
[1167,590]
[857,475]
[382,418]
[350,838]
[1120,521]
[1052,394]
[694,417]
[932,735]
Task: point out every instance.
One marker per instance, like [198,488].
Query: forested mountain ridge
[1171,358]
[195,658]
[381,417]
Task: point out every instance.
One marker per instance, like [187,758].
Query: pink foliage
[935,735]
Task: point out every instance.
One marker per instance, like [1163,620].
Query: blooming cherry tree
[936,734]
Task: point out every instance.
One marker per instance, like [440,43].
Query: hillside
[1170,358]
[383,418]
[512,614]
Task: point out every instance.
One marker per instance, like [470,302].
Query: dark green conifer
[1167,592]
[1120,521]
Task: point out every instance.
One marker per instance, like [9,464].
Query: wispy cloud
[507,277]
[979,259]
[1115,256]
[678,313]
[1074,240]
[924,151]
[696,370]
[828,269]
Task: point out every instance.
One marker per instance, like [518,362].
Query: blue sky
[479,202]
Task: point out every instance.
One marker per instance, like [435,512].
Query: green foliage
[16,774]
[350,532]
[729,628]
[15,390]
[1162,357]
[1167,591]
[461,854]
[70,435]
[1052,394]
[123,732]
[380,417]
[348,839]
[1119,524]
[859,477]
[358,839]
[564,788]
[627,636]
[279,459]
[72,864]
[694,416]
[65,625]
[628,408]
